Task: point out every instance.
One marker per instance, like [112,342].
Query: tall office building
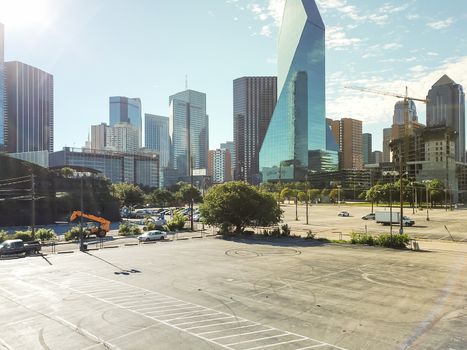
[2,88]
[367,148]
[387,137]
[126,110]
[219,162]
[377,157]
[298,139]
[230,146]
[348,133]
[254,100]
[189,131]
[29,109]
[399,113]
[122,137]
[98,137]
[446,108]
[156,137]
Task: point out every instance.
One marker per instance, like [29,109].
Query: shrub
[396,241]
[72,234]
[45,234]
[362,238]
[129,230]
[25,236]
[4,236]
[310,235]
[285,230]
[177,222]
[384,240]
[150,226]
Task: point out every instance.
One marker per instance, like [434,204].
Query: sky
[146,48]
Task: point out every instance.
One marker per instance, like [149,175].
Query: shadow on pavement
[121,272]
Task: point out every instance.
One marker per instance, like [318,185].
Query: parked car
[370,216]
[17,246]
[155,235]
[344,214]
[197,217]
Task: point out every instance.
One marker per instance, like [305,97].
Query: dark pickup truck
[18,247]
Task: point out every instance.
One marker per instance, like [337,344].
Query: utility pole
[401,196]
[81,238]
[307,197]
[33,200]
[191,194]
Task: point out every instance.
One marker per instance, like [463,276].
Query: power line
[14,183]
[15,178]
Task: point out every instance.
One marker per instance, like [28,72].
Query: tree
[127,194]
[302,197]
[334,194]
[160,198]
[314,194]
[239,205]
[186,193]
[436,191]
[285,193]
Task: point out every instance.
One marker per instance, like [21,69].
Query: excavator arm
[105,224]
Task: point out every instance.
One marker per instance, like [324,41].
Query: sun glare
[23,13]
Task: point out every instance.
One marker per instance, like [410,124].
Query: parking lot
[323,220]
[217,294]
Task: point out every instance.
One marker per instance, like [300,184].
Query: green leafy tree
[302,196]
[160,198]
[239,205]
[314,194]
[285,193]
[334,194]
[186,192]
[127,194]
[436,191]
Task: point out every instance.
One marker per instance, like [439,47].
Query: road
[217,294]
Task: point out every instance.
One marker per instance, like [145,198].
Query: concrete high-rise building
[387,137]
[230,145]
[298,139]
[98,136]
[367,148]
[446,108]
[126,110]
[122,137]
[2,89]
[189,131]
[348,133]
[29,115]
[156,137]
[399,113]
[254,100]
[219,162]
[377,157]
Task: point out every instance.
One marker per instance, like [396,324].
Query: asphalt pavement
[217,294]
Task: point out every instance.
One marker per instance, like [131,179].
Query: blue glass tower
[2,89]
[298,139]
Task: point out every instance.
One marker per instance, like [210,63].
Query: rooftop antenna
[186,82]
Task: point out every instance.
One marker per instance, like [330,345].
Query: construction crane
[407,127]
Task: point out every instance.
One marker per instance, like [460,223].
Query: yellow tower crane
[407,128]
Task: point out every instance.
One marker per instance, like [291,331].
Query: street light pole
[339,195]
[81,239]
[307,197]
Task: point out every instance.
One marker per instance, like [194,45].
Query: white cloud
[266,31]
[441,24]
[372,108]
[337,38]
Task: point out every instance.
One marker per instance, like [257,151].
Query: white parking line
[242,334]
[184,318]
[277,344]
[194,322]
[313,346]
[164,315]
[223,330]
[259,339]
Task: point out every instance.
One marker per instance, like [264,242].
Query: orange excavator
[99,231]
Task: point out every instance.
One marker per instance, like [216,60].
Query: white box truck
[385,219]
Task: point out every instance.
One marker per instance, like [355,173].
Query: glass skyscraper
[29,109]
[156,137]
[126,110]
[2,88]
[298,139]
[189,131]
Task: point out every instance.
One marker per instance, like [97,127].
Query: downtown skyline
[150,62]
